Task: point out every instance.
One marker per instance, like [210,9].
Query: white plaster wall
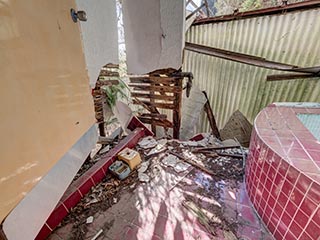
[154,34]
[99,35]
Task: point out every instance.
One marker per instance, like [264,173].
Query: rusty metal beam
[247,59]
[281,77]
[261,12]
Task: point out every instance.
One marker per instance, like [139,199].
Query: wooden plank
[172,89]
[111,65]
[154,115]
[212,120]
[152,80]
[176,117]
[214,148]
[151,109]
[161,123]
[203,169]
[157,105]
[153,125]
[154,96]
[230,155]
[109,73]
[108,82]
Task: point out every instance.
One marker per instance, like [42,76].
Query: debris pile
[221,160]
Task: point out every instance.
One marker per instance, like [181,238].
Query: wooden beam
[154,115]
[151,109]
[161,123]
[111,65]
[214,148]
[106,73]
[154,96]
[192,163]
[109,82]
[212,120]
[167,80]
[157,105]
[170,89]
[230,155]
[153,122]
[176,117]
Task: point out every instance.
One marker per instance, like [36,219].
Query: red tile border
[83,184]
[282,178]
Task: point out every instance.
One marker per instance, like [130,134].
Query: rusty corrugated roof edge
[261,12]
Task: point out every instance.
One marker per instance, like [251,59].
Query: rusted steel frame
[155,88]
[156,122]
[154,96]
[152,104]
[212,120]
[261,12]
[195,11]
[176,116]
[281,77]
[247,59]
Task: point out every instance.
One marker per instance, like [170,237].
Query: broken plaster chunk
[170,160]
[148,142]
[143,177]
[89,220]
[143,167]
[181,167]
[95,150]
[105,149]
[161,146]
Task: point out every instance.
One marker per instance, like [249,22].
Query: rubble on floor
[170,196]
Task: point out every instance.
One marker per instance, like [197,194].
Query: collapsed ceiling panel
[154,34]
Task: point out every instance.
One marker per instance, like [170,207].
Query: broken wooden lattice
[109,75]
[159,91]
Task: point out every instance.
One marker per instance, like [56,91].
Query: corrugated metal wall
[292,38]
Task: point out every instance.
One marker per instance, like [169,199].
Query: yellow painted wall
[46,104]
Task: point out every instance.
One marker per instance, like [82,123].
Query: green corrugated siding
[291,38]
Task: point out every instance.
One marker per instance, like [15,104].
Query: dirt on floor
[158,152]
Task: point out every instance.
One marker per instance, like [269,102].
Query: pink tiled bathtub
[283,172]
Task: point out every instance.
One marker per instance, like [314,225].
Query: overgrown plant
[115,92]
